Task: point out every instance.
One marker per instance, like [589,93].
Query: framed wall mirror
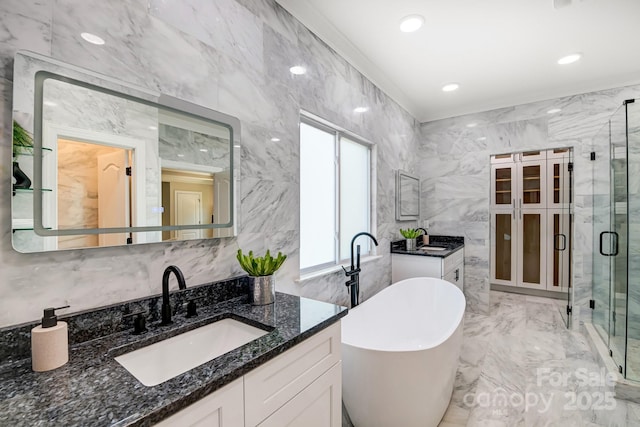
[113,164]
[407,197]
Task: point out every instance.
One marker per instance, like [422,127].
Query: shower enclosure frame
[615,305]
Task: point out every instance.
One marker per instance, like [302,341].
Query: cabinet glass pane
[556,183]
[557,254]
[503,186]
[531,184]
[503,246]
[531,248]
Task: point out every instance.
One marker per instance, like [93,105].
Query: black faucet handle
[139,321]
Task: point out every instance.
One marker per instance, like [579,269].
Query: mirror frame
[116,88]
[400,176]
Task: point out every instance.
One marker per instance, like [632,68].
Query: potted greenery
[410,234]
[262,284]
[22,144]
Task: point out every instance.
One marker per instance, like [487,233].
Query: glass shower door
[633,253]
[601,263]
[618,239]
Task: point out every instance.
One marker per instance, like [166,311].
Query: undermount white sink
[432,248]
[169,358]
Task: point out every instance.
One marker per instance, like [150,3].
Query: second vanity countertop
[451,244]
[95,390]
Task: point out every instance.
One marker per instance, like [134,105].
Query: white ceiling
[501,52]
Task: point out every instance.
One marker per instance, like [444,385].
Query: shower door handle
[556,246]
[615,247]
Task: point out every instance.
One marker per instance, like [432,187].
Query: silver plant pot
[262,290]
[411,244]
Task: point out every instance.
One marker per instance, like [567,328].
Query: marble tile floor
[520,366]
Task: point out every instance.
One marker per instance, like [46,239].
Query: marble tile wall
[232,56]
[454,166]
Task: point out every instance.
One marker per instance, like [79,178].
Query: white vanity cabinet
[301,387]
[449,268]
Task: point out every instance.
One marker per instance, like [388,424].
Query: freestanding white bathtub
[400,351]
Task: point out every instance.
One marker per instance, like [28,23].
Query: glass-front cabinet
[531,220]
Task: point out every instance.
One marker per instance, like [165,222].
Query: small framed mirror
[407,197]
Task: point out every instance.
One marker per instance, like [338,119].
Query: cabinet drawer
[270,386]
[452,261]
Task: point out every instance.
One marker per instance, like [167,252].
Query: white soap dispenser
[49,342]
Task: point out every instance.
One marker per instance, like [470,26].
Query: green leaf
[260,266]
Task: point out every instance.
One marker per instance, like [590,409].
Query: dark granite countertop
[450,243]
[95,390]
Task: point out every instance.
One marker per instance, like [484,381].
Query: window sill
[335,268]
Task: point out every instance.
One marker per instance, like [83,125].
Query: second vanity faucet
[166,305]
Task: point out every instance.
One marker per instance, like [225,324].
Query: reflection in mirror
[407,197]
[112,168]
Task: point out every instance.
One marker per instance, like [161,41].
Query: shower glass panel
[616,255]
[618,238]
[633,247]
[601,266]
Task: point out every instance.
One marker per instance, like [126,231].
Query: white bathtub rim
[448,332]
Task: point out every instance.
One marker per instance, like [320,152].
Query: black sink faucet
[166,306]
[353,284]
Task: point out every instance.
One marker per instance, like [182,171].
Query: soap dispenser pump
[49,342]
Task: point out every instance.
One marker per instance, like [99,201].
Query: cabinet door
[222,408]
[503,185]
[504,230]
[318,405]
[503,158]
[456,276]
[527,156]
[559,179]
[558,249]
[271,385]
[532,248]
[532,178]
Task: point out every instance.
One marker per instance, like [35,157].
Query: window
[335,194]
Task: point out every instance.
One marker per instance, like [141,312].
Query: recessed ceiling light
[569,59]
[274,139]
[236,146]
[204,150]
[92,38]
[180,155]
[411,23]
[472,125]
[482,138]
[50,103]
[450,87]
[554,110]
[297,70]
[361,109]
[153,127]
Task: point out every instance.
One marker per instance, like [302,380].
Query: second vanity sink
[432,248]
[167,359]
